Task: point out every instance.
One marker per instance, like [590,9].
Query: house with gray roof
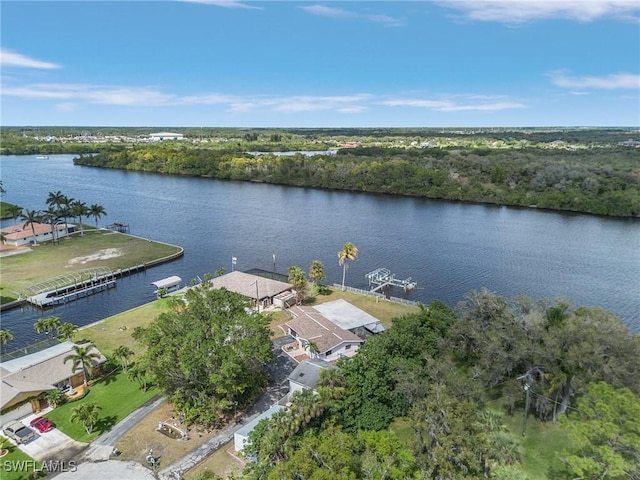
[307,374]
[320,337]
[259,289]
[24,380]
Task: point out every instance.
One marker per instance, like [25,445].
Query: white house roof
[348,316]
[244,431]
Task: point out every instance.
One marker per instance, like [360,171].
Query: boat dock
[381,278]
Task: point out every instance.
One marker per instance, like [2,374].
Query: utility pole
[527,402]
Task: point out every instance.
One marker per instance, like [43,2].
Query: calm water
[448,248]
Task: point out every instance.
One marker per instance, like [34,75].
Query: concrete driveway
[51,445]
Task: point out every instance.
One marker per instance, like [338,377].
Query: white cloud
[71,96]
[385,19]
[522,11]
[451,106]
[65,107]
[225,4]
[152,97]
[614,81]
[105,95]
[324,11]
[12,59]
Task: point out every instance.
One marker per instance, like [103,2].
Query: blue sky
[214,63]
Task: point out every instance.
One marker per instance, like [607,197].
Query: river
[447,248]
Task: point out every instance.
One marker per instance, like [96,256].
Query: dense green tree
[209,355]
[604,435]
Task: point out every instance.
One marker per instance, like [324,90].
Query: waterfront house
[17,235]
[319,337]
[263,291]
[24,380]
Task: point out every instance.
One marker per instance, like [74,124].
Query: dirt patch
[135,445]
[103,254]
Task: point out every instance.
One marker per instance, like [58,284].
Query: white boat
[42,157]
[167,285]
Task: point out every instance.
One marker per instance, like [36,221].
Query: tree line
[455,376]
[591,180]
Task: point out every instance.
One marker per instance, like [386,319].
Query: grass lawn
[16,465]
[383,310]
[96,248]
[221,462]
[107,335]
[116,394]
[541,445]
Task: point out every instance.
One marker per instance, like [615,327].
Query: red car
[42,424]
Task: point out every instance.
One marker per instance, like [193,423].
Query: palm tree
[30,217]
[55,397]
[296,278]
[316,271]
[83,356]
[3,237]
[46,325]
[306,405]
[123,354]
[50,215]
[87,414]
[97,211]
[14,211]
[67,331]
[5,336]
[79,209]
[332,384]
[348,253]
[56,199]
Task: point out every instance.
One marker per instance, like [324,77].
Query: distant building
[17,235]
[156,137]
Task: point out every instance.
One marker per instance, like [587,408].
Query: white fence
[375,294]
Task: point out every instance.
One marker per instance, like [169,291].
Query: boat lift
[382,277]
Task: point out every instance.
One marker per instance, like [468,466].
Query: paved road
[278,387]
[102,446]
